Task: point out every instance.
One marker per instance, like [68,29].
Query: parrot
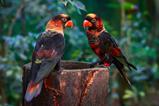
[105,46]
[47,54]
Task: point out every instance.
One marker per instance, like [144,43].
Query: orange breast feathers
[55,26]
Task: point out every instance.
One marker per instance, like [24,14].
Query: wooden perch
[79,86]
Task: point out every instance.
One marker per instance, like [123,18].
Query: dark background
[133,23]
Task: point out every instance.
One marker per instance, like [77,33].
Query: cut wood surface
[78,85]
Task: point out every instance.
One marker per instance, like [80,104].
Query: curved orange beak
[87,24]
[69,24]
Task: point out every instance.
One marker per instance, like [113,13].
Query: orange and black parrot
[47,54]
[104,46]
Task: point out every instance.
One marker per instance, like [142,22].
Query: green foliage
[133,94]
[126,5]
[138,42]
[78,4]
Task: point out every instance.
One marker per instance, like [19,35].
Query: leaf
[126,5]
[65,2]
[79,5]
[128,94]
[22,56]
[142,94]
[78,10]
[71,2]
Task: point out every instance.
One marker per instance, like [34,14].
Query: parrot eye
[93,20]
[64,19]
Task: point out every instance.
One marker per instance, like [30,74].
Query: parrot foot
[56,91]
[107,64]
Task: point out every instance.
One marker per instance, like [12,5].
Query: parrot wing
[118,59]
[115,50]
[47,54]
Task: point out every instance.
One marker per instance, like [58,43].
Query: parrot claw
[57,92]
[54,90]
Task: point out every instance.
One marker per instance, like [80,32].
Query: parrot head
[59,22]
[65,20]
[93,22]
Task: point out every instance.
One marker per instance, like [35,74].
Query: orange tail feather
[33,90]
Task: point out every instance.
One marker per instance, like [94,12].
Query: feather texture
[46,56]
[106,48]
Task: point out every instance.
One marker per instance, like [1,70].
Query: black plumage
[46,58]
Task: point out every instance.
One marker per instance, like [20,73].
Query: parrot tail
[120,68]
[131,66]
[33,90]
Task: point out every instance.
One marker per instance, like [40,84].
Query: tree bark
[79,84]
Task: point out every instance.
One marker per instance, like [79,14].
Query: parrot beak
[87,24]
[69,24]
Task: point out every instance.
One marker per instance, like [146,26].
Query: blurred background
[133,23]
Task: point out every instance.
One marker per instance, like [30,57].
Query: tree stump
[81,86]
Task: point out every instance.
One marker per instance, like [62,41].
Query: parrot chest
[94,44]
[96,47]
[99,45]
[100,48]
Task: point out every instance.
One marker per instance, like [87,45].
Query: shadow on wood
[80,85]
